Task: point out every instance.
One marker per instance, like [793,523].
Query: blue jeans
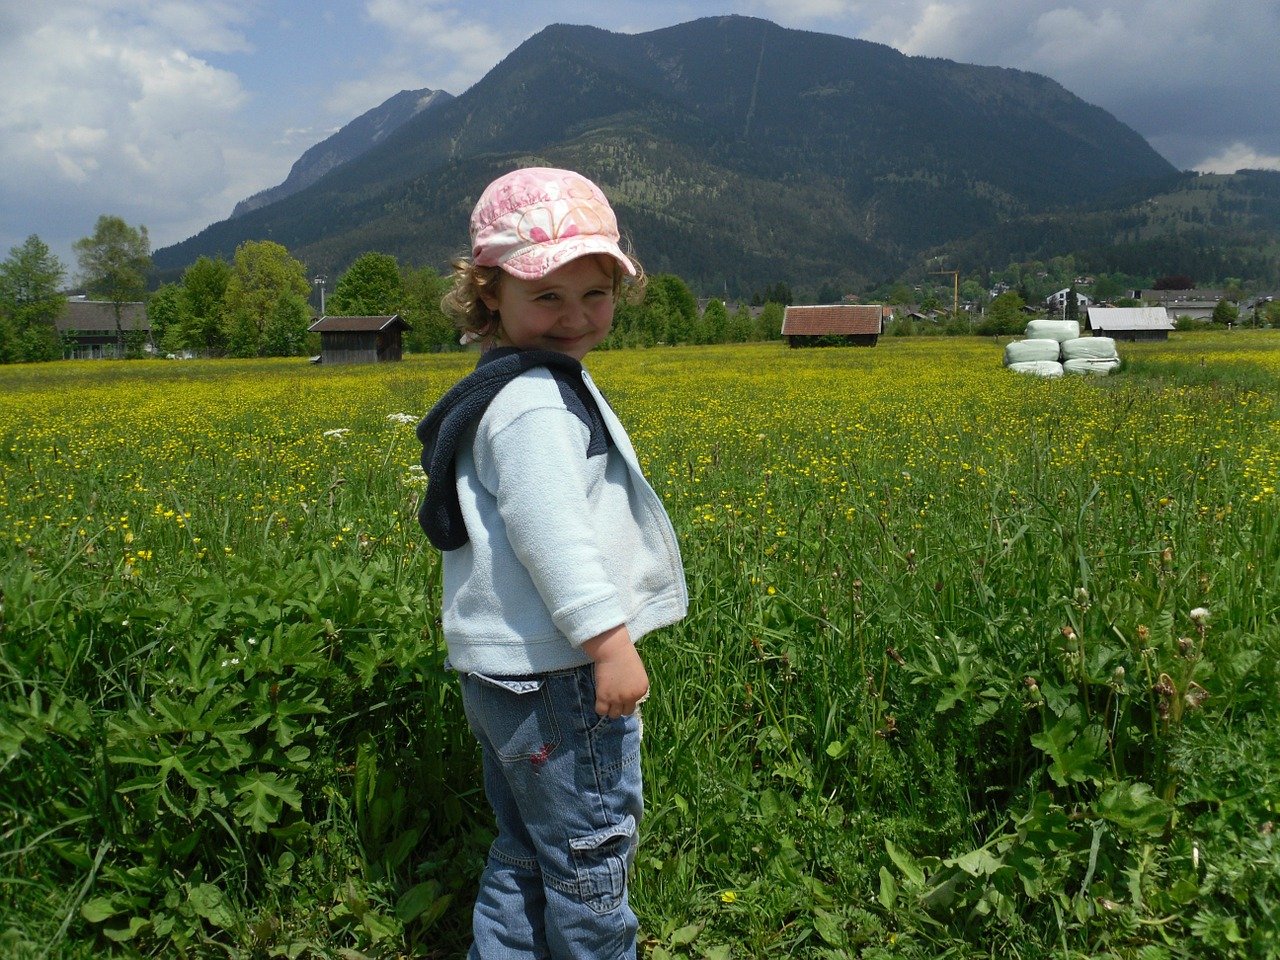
[564,784]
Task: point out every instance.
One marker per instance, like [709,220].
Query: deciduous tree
[262,275]
[114,262]
[371,287]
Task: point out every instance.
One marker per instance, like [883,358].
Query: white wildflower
[337,432]
[402,418]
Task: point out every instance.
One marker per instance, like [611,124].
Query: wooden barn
[856,324]
[360,339]
[1130,323]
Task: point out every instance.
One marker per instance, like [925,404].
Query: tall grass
[976,663]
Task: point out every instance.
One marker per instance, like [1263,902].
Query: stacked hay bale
[1053,347]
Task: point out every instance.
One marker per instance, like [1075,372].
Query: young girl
[557,558]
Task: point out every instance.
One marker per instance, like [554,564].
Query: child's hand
[621,680]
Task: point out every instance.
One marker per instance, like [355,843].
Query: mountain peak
[352,140]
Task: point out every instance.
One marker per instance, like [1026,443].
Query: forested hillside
[737,153]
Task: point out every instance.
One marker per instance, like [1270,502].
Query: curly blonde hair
[464,303]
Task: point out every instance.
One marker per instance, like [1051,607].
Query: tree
[1004,316]
[165,309]
[371,287]
[1226,312]
[30,303]
[768,325]
[429,328]
[670,309]
[715,322]
[262,275]
[204,289]
[114,263]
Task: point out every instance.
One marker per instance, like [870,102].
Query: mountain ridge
[345,144]
[736,151]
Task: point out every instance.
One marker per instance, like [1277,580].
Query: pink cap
[532,220]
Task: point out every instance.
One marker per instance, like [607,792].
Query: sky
[168,112]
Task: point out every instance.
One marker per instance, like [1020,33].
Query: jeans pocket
[600,861]
[515,715]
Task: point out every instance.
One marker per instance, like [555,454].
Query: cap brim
[535,261]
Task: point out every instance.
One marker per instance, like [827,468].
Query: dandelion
[1200,616]
[729,896]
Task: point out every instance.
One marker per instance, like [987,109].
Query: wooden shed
[360,339]
[858,324]
[1130,323]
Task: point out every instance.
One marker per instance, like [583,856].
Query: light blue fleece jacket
[562,546]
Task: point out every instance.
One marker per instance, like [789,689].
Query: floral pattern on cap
[532,220]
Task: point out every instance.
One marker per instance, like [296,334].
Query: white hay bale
[1090,348]
[1053,330]
[1038,368]
[1099,368]
[1028,351]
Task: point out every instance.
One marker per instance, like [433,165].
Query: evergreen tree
[30,303]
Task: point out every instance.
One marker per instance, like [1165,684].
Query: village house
[1056,303]
[360,339]
[857,324]
[88,329]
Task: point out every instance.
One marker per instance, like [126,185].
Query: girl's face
[570,310]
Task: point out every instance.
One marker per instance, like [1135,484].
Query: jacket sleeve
[536,467]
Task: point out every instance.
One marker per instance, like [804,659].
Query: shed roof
[1129,318]
[357,324]
[101,315]
[838,319]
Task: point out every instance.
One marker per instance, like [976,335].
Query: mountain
[737,153]
[358,136]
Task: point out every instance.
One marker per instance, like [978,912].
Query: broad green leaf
[263,796]
[211,903]
[1135,806]
[686,934]
[888,895]
[99,909]
[904,862]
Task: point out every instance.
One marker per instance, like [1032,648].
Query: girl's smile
[570,310]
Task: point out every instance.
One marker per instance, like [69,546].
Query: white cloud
[1238,156]
[109,110]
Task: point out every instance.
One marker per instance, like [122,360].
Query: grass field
[977,664]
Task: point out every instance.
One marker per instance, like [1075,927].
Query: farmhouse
[1130,323]
[858,324]
[360,339]
[88,329]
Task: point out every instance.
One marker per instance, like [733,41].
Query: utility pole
[320,282]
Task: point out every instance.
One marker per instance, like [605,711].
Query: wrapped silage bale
[1053,330]
[1029,351]
[1099,368]
[1090,348]
[1038,368]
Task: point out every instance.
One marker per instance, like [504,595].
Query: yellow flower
[728,897]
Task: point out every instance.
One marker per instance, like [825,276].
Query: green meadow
[977,664]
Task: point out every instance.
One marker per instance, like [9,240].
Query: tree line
[258,304]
